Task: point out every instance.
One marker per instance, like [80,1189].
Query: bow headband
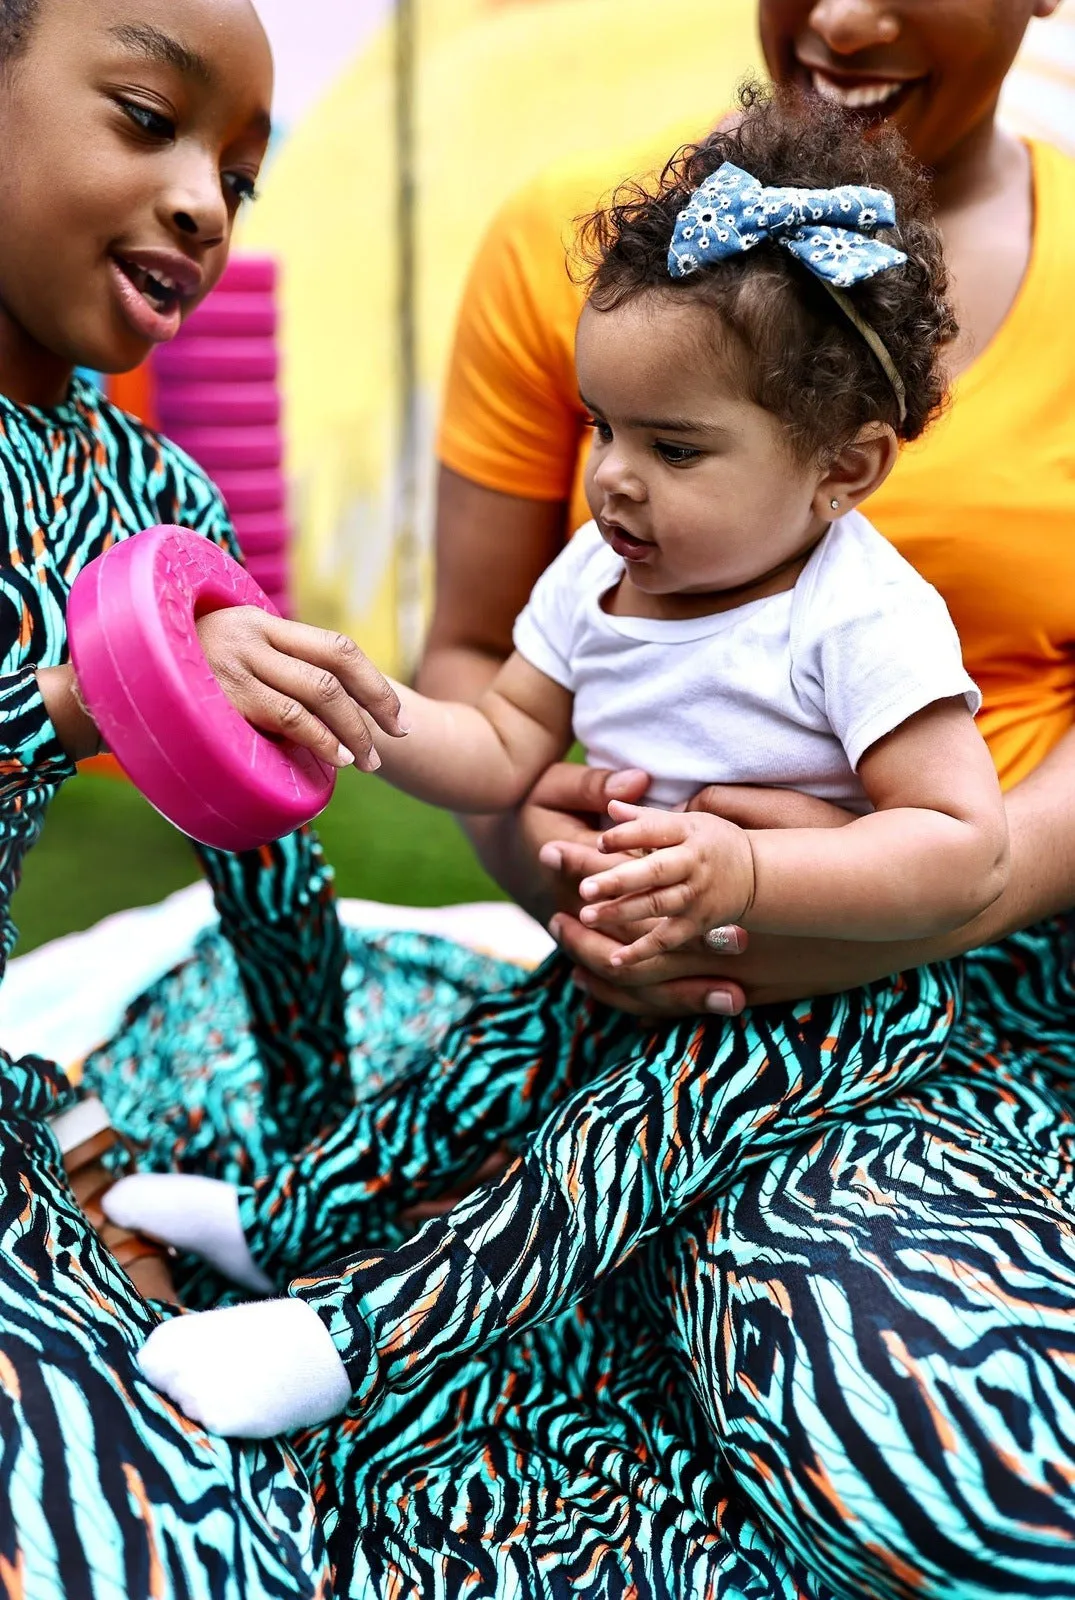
[828,230]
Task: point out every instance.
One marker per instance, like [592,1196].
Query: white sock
[249,1371]
[191,1213]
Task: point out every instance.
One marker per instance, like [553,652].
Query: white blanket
[64,999]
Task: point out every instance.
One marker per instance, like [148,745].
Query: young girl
[761,331]
[132,131]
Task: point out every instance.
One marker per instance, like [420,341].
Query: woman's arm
[772,969]
[491,548]
[932,853]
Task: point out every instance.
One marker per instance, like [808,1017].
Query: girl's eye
[676,455]
[148,120]
[600,429]
[241,185]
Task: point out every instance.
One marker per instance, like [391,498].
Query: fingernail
[373,761]
[587,888]
[720,1002]
[345,757]
[402,725]
[555,927]
[722,939]
[625,780]
[588,914]
[551,857]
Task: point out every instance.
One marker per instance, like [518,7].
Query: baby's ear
[856,471]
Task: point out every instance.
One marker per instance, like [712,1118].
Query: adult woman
[894,1303]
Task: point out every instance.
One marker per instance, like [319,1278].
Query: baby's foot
[191,1213]
[249,1371]
[86,1138]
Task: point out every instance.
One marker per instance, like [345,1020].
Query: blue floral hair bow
[828,230]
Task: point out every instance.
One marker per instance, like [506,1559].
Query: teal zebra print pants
[848,1375]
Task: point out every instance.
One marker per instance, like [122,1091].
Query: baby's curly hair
[801,358]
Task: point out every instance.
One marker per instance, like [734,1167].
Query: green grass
[104,849]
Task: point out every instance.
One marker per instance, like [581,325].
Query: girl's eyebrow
[153,45]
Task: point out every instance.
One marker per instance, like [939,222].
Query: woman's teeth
[855,97]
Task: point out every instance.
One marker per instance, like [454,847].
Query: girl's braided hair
[797,354]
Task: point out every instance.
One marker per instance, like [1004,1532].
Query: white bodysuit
[786,692]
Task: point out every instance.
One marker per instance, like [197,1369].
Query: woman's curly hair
[801,358]
[16,21]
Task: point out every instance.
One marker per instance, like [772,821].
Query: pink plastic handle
[131,628]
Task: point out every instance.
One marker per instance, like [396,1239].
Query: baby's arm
[319,690]
[485,757]
[932,855]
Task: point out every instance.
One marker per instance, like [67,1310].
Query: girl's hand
[697,874]
[75,728]
[302,684]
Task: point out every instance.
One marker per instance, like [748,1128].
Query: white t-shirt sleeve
[545,629]
[878,649]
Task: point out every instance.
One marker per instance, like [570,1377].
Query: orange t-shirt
[983,505]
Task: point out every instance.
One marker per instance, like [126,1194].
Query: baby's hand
[698,874]
[303,684]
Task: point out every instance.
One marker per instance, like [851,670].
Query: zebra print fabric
[845,1374]
[104,1488]
[845,1377]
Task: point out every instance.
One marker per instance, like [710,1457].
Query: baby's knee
[925,1443]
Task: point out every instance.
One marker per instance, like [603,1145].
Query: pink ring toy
[241,315]
[262,533]
[250,489]
[244,274]
[214,404]
[131,627]
[228,448]
[269,572]
[213,360]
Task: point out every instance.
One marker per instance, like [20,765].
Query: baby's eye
[676,455]
[150,121]
[601,429]
[241,185]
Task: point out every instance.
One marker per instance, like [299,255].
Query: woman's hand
[565,805]
[749,971]
[300,683]
[676,877]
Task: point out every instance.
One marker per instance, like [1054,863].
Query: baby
[764,327]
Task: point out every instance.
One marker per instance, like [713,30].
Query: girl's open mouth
[151,302]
